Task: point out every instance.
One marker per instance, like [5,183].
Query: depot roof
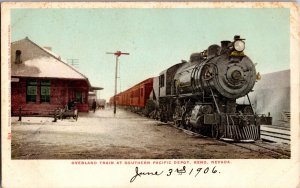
[40,62]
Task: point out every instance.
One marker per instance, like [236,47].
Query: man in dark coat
[94,105]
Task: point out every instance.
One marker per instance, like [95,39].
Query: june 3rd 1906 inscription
[138,173]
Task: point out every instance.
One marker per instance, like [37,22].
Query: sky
[155,38]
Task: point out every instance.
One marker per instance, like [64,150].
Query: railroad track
[273,150]
[265,149]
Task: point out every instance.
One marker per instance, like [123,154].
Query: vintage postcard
[128,94]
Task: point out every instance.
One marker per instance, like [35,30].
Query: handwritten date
[176,171]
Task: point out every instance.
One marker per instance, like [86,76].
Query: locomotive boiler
[200,94]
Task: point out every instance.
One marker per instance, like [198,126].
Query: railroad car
[136,96]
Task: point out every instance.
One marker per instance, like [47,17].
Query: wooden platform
[276,134]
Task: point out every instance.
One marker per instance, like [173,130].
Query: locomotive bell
[213,50]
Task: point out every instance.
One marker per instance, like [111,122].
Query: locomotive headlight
[239,45]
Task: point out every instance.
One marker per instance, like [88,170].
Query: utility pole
[119,76]
[73,62]
[117,54]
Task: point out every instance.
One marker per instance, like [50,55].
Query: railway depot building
[41,81]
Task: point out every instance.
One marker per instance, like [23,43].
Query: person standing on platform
[94,105]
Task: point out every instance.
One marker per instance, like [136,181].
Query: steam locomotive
[200,94]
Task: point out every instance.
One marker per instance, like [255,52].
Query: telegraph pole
[119,75]
[73,62]
[117,54]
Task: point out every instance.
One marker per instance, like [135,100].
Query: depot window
[31,90]
[162,80]
[45,91]
[78,96]
[83,98]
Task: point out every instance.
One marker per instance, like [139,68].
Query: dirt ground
[100,135]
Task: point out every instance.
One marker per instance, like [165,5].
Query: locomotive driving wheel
[185,115]
[187,124]
[163,114]
[177,116]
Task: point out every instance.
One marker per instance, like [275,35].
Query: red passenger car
[135,96]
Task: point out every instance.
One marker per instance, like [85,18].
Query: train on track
[200,94]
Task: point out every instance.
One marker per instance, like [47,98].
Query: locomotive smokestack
[225,43]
